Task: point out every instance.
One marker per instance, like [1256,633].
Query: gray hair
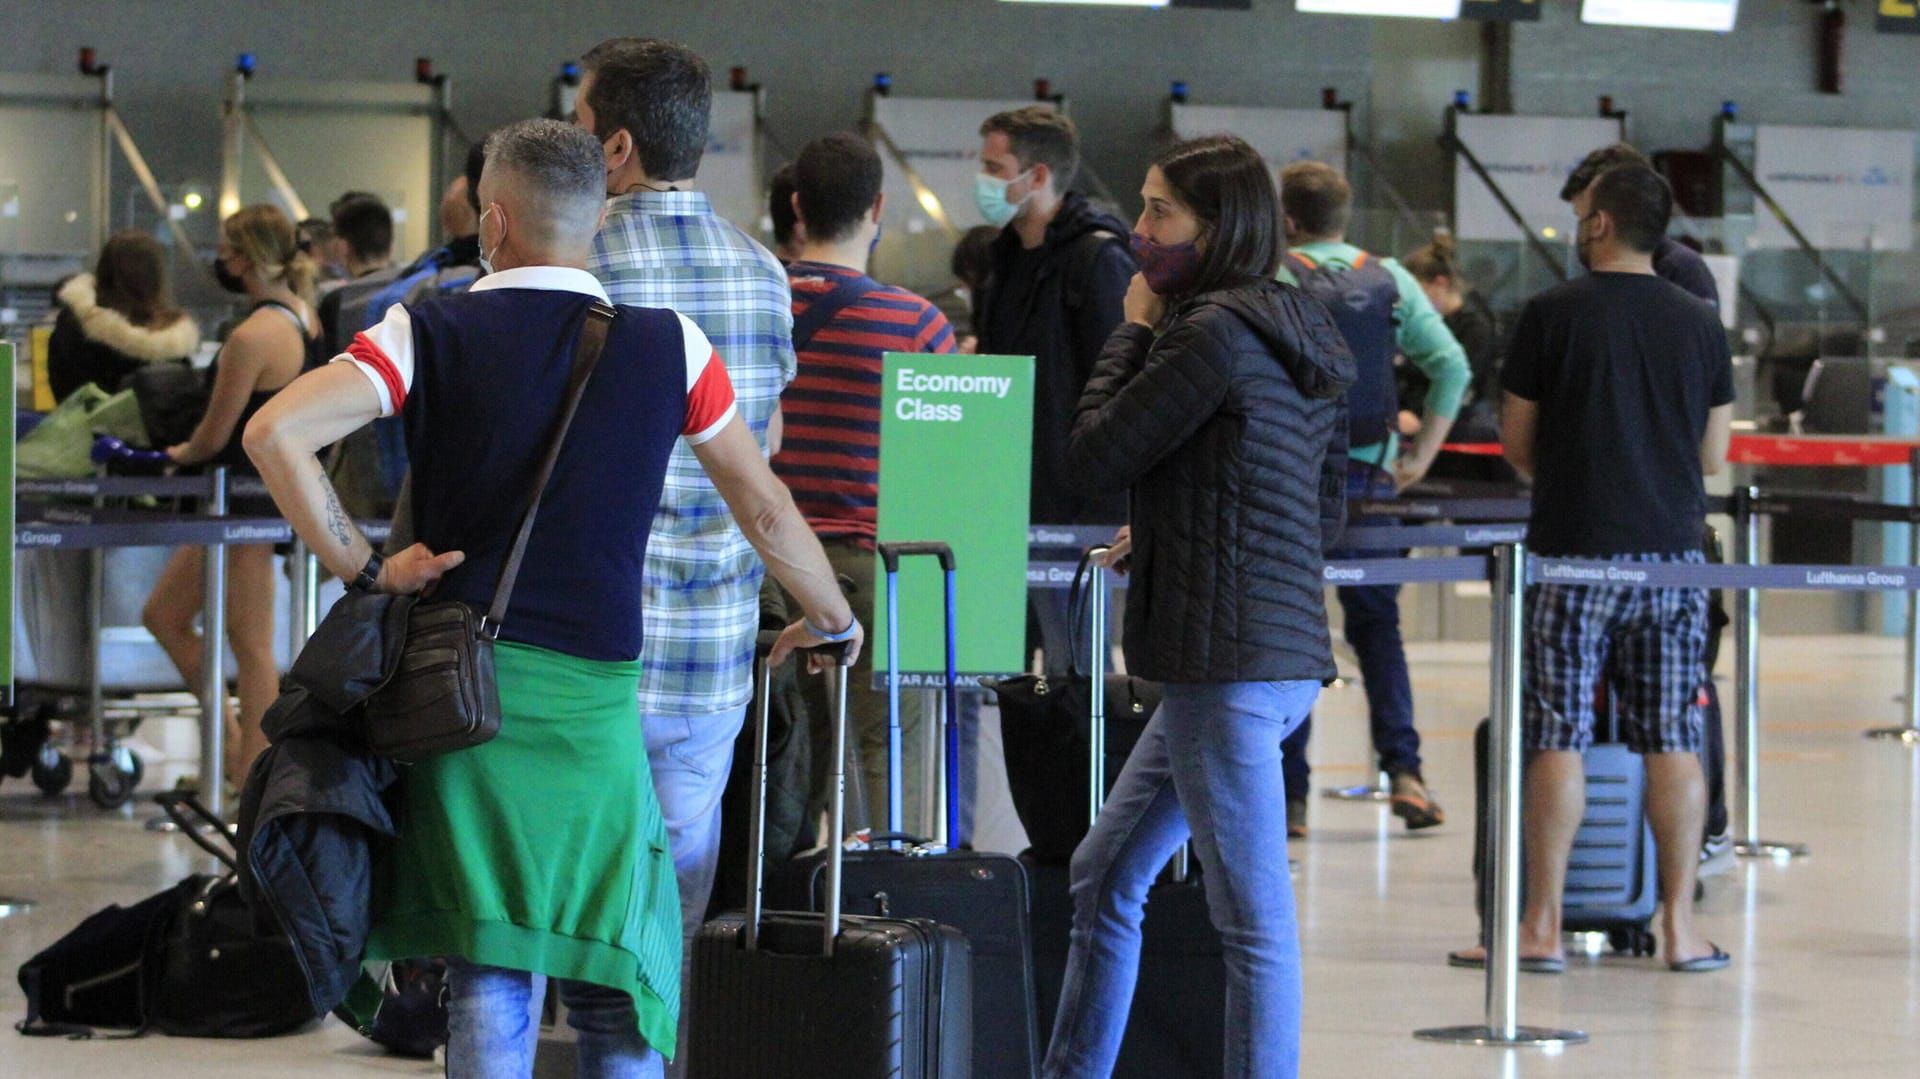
[559,176]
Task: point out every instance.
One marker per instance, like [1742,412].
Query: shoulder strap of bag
[586,354]
[821,310]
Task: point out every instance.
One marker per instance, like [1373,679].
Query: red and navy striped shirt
[830,453]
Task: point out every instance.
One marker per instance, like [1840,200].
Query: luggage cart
[87,672]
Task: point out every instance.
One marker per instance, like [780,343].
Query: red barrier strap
[1814,451]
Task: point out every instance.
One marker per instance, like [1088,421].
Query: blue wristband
[834,638]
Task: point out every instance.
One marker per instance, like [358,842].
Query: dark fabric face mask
[228,280]
[1170,269]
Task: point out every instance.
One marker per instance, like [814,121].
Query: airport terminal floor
[1825,980]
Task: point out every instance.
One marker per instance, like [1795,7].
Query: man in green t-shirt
[1383,313]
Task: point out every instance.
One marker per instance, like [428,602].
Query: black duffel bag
[191,961]
[1046,730]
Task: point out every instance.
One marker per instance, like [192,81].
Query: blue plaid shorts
[1647,643]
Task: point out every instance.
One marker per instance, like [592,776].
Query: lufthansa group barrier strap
[1713,575]
[1806,451]
[1840,506]
[1441,509]
[125,530]
[137,487]
[1069,537]
[1366,571]
[117,487]
[1407,537]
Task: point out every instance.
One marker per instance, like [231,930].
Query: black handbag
[171,397]
[442,695]
[1045,728]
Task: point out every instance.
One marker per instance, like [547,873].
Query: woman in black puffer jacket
[1219,404]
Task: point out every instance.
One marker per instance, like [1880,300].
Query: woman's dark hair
[1224,183]
[1439,259]
[131,278]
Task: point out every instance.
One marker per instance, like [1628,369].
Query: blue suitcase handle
[890,556]
[892,553]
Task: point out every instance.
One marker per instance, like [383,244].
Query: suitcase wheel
[1637,941]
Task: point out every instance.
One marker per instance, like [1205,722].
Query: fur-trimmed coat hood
[104,325]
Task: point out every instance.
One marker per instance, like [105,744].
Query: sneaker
[1296,818]
[1412,803]
[1716,854]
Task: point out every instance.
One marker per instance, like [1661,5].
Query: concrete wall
[817,58]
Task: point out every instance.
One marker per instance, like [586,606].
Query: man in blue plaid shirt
[661,245]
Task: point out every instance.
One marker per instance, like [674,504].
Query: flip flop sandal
[1529,964]
[1703,964]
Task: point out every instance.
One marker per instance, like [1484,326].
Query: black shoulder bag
[442,695]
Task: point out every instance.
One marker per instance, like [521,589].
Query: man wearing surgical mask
[1055,290]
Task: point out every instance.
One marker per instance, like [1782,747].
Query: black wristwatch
[369,574]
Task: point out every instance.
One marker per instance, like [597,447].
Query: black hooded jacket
[1057,303]
[1230,428]
[314,803]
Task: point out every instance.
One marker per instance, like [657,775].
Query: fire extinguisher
[1833,43]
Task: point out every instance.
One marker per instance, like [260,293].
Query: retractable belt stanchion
[213,664]
[1502,1027]
[1746,686]
[1380,790]
[1909,732]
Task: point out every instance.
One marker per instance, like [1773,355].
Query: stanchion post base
[13,904]
[164,823]
[1362,793]
[1906,735]
[1767,848]
[1523,1037]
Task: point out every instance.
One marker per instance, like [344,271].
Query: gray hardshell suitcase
[804,995]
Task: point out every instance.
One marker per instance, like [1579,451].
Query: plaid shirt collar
[662,203]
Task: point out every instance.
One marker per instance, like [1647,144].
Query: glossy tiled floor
[1826,979]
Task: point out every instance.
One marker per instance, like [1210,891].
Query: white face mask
[486,257]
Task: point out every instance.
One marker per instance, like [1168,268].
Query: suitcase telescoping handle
[890,556]
[757,821]
[1097,600]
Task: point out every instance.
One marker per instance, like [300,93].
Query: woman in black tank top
[270,347]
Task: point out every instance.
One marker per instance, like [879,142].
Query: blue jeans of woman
[1208,766]
[493,1026]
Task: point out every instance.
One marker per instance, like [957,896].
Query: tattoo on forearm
[337,523]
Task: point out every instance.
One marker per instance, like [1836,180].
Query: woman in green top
[543,851]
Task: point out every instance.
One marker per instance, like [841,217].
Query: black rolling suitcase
[778,994]
[1177,1026]
[982,895]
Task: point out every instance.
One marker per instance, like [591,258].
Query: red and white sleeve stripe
[385,355]
[710,400]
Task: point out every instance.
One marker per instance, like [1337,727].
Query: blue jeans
[1373,629]
[493,1026]
[690,757]
[1208,765]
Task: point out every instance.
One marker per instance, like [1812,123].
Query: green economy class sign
[6,560]
[956,438]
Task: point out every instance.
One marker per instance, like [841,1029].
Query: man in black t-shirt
[1676,262]
[1619,393]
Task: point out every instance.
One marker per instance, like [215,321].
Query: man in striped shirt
[661,245]
[844,322]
